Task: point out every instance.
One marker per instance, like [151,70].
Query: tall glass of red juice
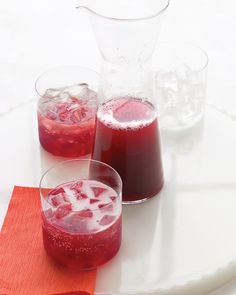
[66,110]
[127,138]
[81,213]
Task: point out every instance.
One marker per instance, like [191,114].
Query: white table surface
[190,230]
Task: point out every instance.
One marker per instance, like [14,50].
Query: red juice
[82,224]
[127,139]
[66,127]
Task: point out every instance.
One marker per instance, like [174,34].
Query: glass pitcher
[127,135]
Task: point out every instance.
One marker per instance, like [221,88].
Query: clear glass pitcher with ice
[127,135]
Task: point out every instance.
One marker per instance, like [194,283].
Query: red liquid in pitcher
[82,224]
[127,139]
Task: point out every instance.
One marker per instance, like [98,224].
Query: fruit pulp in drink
[82,224]
[127,138]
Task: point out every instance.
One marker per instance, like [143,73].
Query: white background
[36,35]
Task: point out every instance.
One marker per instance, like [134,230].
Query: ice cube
[73,106]
[77,186]
[79,114]
[64,116]
[107,219]
[180,94]
[81,195]
[77,90]
[92,97]
[56,191]
[183,72]
[88,189]
[51,115]
[105,206]
[78,189]
[63,210]
[98,191]
[92,201]
[86,95]
[86,213]
[171,81]
[63,96]
[79,224]
[171,98]
[58,200]
[52,92]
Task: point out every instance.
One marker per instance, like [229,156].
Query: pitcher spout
[83,5]
[123,10]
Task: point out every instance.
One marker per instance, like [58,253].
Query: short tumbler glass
[66,110]
[81,213]
[179,72]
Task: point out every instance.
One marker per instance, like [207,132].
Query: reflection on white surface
[185,232]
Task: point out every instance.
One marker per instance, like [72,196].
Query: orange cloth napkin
[25,268]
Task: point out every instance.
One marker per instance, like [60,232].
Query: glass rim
[52,69]
[175,44]
[159,12]
[119,194]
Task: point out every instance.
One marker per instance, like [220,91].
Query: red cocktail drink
[67,109]
[82,224]
[127,139]
[66,128]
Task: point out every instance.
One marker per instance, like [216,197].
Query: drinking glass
[66,110]
[81,213]
[180,75]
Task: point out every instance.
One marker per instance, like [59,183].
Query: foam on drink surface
[126,113]
[82,206]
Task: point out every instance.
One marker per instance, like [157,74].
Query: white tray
[173,244]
